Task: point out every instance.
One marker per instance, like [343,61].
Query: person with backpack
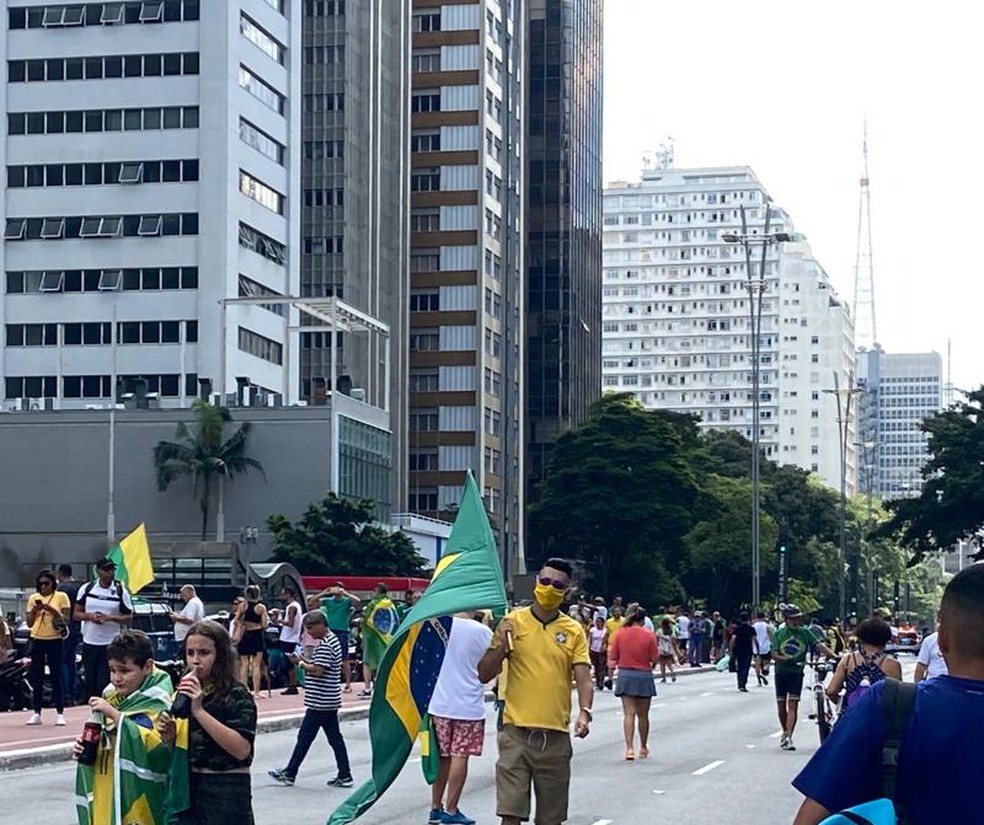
[866,666]
[910,747]
[103,606]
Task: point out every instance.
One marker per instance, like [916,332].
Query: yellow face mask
[549,598]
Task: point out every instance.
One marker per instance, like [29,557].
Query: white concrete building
[676,319]
[816,342]
[149,176]
[901,389]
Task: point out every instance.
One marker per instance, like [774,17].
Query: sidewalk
[28,747]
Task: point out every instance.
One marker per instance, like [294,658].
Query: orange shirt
[634,647]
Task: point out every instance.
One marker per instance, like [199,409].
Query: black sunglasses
[556,584]
[45,581]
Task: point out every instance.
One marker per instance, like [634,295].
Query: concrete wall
[55,471]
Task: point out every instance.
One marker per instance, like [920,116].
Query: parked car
[908,640]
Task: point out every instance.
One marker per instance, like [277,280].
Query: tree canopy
[337,536]
[951,504]
[651,507]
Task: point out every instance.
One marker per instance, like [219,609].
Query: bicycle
[824,710]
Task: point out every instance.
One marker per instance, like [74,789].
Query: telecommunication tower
[865,331]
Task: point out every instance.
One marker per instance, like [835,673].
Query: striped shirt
[325,692]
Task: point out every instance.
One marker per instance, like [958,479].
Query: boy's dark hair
[874,632]
[562,565]
[131,645]
[962,612]
[65,569]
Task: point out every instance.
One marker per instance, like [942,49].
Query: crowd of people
[200,754]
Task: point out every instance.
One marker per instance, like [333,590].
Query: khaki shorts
[540,757]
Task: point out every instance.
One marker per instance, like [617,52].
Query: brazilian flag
[468,577]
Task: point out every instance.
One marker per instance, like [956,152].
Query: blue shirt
[938,777]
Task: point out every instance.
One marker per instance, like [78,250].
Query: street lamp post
[843,427]
[756,286]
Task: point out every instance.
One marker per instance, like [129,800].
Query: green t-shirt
[337,611]
[795,642]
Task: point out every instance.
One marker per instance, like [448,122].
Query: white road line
[750,747]
[709,693]
[602,822]
[717,763]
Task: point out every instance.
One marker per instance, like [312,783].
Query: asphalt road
[715,758]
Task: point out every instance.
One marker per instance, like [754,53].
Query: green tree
[618,496]
[201,454]
[951,504]
[337,536]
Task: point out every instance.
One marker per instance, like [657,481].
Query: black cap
[105,563]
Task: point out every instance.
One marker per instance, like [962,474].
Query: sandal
[643,753]
[629,754]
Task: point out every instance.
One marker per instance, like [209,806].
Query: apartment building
[146,148]
[466,255]
[563,218]
[676,313]
[354,224]
[900,390]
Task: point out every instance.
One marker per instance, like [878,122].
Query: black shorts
[765,658]
[789,684]
[288,647]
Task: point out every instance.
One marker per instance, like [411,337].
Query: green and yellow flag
[127,785]
[468,577]
[132,557]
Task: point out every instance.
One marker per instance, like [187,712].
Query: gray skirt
[632,682]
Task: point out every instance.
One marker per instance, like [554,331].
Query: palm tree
[202,454]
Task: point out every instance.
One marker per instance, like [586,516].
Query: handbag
[61,625]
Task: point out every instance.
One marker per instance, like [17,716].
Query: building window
[318,149]
[425,60]
[425,260]
[101,226]
[425,340]
[425,179]
[248,288]
[98,174]
[260,346]
[261,141]
[427,20]
[102,67]
[424,380]
[425,220]
[264,245]
[260,192]
[425,140]
[105,14]
[425,100]
[331,245]
[423,460]
[102,120]
[422,500]
[31,386]
[263,92]
[429,301]
[260,38]
[423,420]
[324,197]
[324,102]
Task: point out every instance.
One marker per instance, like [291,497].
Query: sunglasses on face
[556,584]
[45,582]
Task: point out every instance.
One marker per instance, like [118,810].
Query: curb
[51,754]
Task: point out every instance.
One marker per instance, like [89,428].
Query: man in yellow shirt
[612,624]
[543,648]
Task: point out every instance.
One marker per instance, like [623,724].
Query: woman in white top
[598,650]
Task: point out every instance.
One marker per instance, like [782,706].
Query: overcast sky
[784,88]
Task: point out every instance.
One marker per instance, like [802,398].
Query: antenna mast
[865,331]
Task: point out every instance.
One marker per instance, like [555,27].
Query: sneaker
[765,681]
[436,816]
[782,741]
[35,719]
[789,744]
[281,777]
[608,683]
[346,782]
[60,720]
[457,818]
[365,694]
[673,678]
[291,691]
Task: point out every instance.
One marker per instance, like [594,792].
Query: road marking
[717,763]
[659,792]
[602,822]
[750,747]
[709,693]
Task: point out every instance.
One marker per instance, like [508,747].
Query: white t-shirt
[292,633]
[596,637]
[194,610]
[648,624]
[762,635]
[683,622]
[931,658]
[458,693]
[97,599]
[600,610]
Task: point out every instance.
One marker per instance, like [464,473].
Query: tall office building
[676,324]
[563,219]
[149,176]
[354,236]
[900,390]
[466,296]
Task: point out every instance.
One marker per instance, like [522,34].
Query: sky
[785,88]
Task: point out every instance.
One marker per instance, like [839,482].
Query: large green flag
[468,577]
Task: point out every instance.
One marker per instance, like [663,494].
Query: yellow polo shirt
[537,691]
[44,626]
[612,625]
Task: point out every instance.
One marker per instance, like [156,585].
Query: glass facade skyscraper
[564,222]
